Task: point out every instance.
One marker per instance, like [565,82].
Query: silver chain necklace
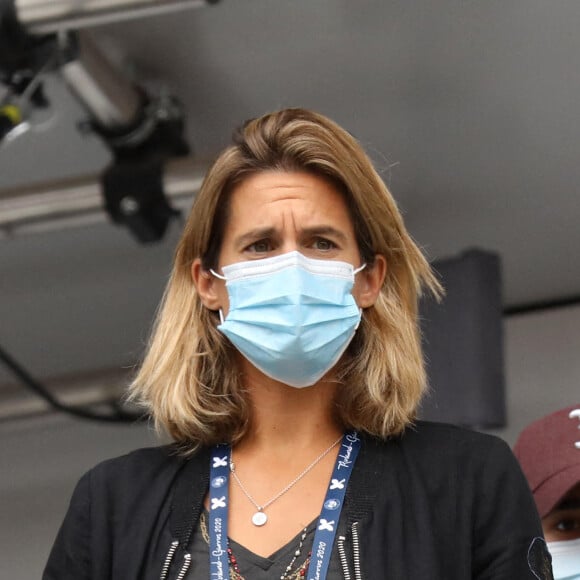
[260,518]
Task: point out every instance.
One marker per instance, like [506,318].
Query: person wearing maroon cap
[549,453]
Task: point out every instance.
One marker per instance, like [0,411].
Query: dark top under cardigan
[438,502]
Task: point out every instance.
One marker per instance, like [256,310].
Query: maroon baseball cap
[549,453]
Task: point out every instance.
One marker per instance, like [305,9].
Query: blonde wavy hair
[188,380]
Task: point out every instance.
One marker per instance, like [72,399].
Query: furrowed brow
[324,231]
[253,236]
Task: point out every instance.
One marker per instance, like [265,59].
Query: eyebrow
[568,504]
[324,231]
[268,232]
[253,235]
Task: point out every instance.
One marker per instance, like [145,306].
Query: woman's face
[276,212]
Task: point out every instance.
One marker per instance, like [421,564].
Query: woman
[286,366]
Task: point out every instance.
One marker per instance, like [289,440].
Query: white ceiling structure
[469,109]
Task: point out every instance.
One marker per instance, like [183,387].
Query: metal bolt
[129,205]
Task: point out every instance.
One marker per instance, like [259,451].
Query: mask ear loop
[220,311]
[354,273]
[219,275]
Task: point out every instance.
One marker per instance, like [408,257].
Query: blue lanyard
[218,513]
[332,506]
[327,522]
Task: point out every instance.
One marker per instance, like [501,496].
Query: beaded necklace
[298,573]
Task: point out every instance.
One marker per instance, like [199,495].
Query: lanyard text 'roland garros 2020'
[325,528]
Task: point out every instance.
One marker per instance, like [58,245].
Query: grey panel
[463,342]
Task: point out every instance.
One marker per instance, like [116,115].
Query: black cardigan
[438,502]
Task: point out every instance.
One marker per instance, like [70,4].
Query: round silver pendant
[259,518]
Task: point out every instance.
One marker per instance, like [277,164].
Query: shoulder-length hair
[189,381]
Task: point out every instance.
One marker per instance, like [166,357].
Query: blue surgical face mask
[565,559]
[291,316]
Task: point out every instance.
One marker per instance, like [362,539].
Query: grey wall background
[542,366]
[42,459]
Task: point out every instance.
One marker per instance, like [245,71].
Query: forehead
[268,194]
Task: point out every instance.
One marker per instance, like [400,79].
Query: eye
[259,246]
[323,244]
[568,525]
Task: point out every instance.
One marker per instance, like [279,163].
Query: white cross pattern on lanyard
[218,502]
[326,525]
[220,461]
[337,484]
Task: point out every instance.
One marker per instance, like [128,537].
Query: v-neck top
[253,566]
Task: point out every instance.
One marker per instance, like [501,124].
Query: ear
[369,282]
[206,285]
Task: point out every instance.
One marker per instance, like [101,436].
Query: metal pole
[78,201]
[46,16]
[113,101]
